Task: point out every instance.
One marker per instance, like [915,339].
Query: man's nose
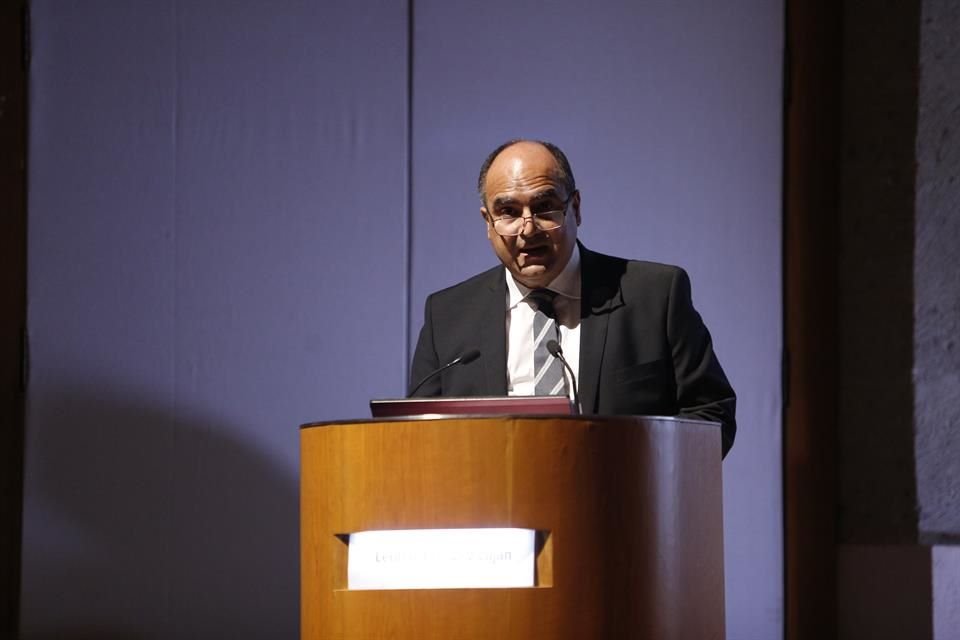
[528,221]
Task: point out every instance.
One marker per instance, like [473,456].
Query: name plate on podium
[492,558]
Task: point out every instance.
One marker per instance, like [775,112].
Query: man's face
[524,180]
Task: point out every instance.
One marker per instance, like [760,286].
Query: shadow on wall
[141,521]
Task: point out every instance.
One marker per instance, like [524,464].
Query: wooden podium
[628,513]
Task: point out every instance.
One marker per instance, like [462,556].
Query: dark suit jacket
[643,348]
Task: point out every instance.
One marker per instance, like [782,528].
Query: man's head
[524,183]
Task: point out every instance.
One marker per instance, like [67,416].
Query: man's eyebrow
[546,194]
[502,201]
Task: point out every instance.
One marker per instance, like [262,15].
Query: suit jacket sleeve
[702,388]
[425,358]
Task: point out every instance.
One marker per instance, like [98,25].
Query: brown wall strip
[13,232]
[811,224]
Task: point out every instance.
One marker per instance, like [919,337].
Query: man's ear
[576,207]
[486,219]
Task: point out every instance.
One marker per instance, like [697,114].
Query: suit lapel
[601,287]
[492,340]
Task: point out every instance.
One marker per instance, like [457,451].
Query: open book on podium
[490,406]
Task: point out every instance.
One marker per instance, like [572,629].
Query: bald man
[628,328]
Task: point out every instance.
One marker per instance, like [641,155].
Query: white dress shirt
[520,313]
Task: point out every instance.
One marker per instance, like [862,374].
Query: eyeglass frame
[533,219]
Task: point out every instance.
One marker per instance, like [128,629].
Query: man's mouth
[539,250]
[535,252]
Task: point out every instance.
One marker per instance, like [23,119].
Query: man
[627,328]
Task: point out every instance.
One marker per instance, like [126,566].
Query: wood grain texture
[633,507]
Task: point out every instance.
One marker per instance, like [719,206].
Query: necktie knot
[544,298]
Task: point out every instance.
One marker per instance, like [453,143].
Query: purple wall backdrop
[215,231]
[214,185]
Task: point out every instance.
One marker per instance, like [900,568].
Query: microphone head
[554,348]
[469,356]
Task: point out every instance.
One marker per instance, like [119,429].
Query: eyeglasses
[510,224]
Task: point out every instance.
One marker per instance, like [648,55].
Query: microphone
[554,348]
[464,358]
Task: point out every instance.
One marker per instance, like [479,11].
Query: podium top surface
[488,417]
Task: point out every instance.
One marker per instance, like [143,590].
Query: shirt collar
[567,283]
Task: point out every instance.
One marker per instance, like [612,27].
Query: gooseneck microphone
[464,358]
[554,348]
